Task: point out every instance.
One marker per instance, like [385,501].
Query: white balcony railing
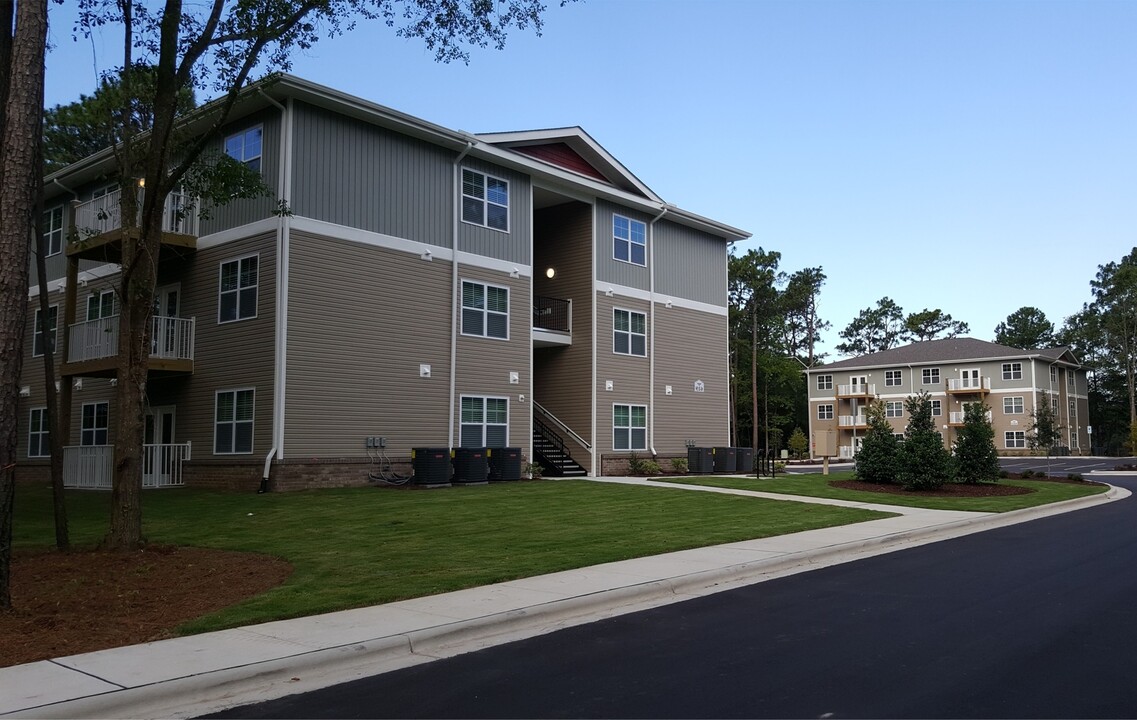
[852,420]
[845,452]
[968,383]
[857,389]
[103,214]
[89,466]
[957,418]
[171,339]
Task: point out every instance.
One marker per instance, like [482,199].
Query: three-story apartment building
[954,372]
[429,287]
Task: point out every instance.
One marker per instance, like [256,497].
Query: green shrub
[651,467]
[877,461]
[925,463]
[976,459]
[1076,477]
[640,466]
[1003,474]
[679,465]
[1027,473]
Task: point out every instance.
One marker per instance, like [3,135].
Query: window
[53,231]
[824,412]
[824,382]
[894,409]
[1014,439]
[937,408]
[930,376]
[629,240]
[52,329]
[893,378]
[1071,381]
[101,305]
[1053,375]
[485,422]
[1013,405]
[237,296]
[38,434]
[233,422]
[485,200]
[629,333]
[629,427]
[245,147]
[94,427]
[485,310]
[899,437]
[1013,371]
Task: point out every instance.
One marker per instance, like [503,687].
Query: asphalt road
[1036,620]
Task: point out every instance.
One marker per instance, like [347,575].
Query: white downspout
[651,349]
[283,241]
[456,197]
[592,438]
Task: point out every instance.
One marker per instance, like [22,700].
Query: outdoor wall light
[550,273]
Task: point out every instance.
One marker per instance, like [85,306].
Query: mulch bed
[951,489]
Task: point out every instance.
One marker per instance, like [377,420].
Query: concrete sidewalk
[205,673]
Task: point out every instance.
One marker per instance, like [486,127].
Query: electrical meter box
[824,443]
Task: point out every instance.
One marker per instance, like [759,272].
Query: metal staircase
[551,454]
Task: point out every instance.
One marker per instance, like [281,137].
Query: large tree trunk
[19,178]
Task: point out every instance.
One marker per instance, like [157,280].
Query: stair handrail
[557,421]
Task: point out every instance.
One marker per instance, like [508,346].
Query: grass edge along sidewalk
[354,547]
[817,485]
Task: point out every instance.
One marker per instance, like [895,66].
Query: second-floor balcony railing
[171,339]
[552,314]
[104,214]
[969,384]
[856,389]
[957,418]
[852,420]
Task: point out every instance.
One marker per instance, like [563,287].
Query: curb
[217,690]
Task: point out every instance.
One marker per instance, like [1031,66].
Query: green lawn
[364,546]
[817,485]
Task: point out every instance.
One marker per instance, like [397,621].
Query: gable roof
[573,149]
[954,349]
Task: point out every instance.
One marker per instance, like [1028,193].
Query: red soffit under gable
[562,155]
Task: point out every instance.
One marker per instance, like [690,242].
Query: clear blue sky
[972,156]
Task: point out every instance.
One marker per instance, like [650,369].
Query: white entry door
[165,343]
[158,453]
[969,378]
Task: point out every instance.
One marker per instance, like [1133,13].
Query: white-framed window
[824,382]
[629,332]
[485,310]
[93,430]
[52,328]
[101,305]
[484,422]
[1053,374]
[53,231]
[1013,371]
[930,376]
[1054,403]
[629,427]
[937,408]
[245,147]
[825,412]
[893,378]
[485,200]
[1014,439]
[233,421]
[237,289]
[1071,381]
[39,437]
[1013,405]
[894,408]
[629,240]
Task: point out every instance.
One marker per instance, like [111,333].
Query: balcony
[956,419]
[969,385]
[846,452]
[99,232]
[859,390]
[552,322]
[92,348]
[852,422]
[89,466]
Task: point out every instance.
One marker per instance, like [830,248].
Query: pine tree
[924,462]
[976,459]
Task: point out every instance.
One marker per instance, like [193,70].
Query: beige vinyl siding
[483,364]
[348,172]
[361,321]
[614,271]
[227,356]
[629,374]
[690,346]
[562,376]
